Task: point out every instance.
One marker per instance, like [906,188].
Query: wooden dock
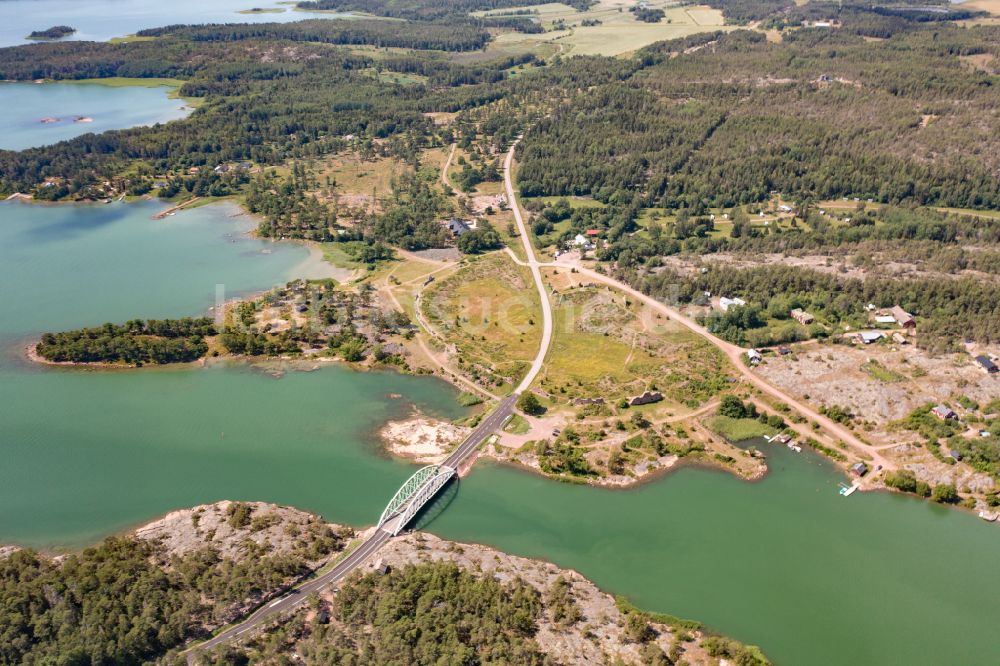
[173,209]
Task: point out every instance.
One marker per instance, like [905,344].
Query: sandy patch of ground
[985,62]
[362,201]
[481,202]
[7,551]
[441,117]
[991,6]
[421,438]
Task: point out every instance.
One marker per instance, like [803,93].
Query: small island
[304,318]
[55,32]
[135,343]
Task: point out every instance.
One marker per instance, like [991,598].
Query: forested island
[197,569]
[55,32]
[302,318]
[136,342]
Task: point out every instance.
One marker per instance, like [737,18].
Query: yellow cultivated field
[618,31]
[705,16]
[991,6]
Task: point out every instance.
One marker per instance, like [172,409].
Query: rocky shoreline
[600,628]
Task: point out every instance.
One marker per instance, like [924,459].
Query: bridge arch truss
[417,491]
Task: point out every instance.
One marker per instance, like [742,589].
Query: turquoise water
[787,563]
[109,107]
[88,452]
[99,20]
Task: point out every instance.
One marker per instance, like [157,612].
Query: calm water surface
[25,105]
[787,563]
[88,452]
[99,20]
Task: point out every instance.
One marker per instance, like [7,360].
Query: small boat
[989,516]
[795,447]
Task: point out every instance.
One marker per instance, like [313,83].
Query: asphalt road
[298,595]
[536,273]
[359,555]
[488,425]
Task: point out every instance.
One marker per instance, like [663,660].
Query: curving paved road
[487,426]
[733,352]
[359,555]
[536,273]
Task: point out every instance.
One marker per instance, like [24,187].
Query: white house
[725,303]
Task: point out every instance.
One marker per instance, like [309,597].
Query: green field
[128,82]
[738,430]
[489,311]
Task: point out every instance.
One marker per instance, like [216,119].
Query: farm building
[943,412]
[868,337]
[902,317]
[801,316]
[647,398]
[986,364]
[754,356]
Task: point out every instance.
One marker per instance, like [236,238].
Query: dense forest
[737,117]
[128,601]
[136,342]
[425,36]
[462,617]
[716,119]
[300,101]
